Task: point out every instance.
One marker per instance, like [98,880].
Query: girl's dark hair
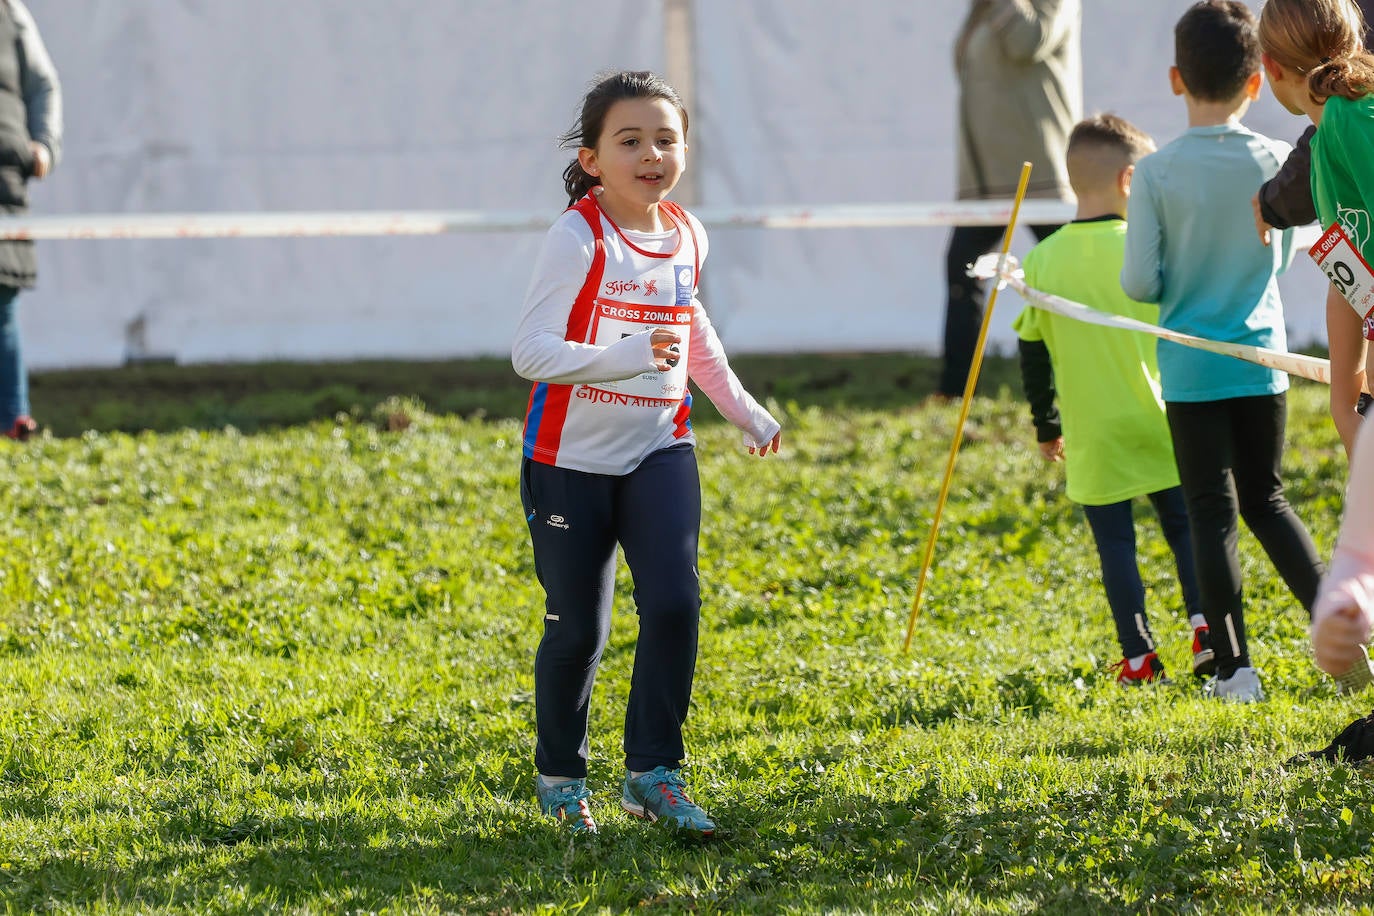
[626,84]
[1323,39]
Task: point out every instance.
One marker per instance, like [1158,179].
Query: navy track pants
[576,520]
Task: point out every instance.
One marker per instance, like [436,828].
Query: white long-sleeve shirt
[598,404]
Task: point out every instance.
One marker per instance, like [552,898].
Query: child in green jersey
[1109,428]
[1314,55]
[1317,63]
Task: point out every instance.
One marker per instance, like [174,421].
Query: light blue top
[1191,246]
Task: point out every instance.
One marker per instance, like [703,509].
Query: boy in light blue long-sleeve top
[1191,247]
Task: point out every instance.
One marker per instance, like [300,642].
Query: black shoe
[1354,744]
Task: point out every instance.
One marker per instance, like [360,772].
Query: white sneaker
[1360,675]
[1241,687]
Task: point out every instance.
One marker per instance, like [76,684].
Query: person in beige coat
[1019,66]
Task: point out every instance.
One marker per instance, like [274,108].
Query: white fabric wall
[810,105]
[180,105]
[177,105]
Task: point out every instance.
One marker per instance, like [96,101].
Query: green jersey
[1343,169]
[1116,437]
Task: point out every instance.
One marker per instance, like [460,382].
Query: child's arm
[1345,605]
[1037,380]
[1284,241]
[1346,347]
[710,370]
[1142,272]
[1030,29]
[540,352]
[1285,200]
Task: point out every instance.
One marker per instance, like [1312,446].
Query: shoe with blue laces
[566,802]
[661,795]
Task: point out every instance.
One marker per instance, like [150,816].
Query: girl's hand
[773,446]
[666,352]
[1337,637]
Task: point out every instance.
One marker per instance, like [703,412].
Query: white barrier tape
[1308,367]
[438,222]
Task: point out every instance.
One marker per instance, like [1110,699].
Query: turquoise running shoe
[660,794]
[566,802]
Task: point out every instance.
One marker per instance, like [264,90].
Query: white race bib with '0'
[1347,270]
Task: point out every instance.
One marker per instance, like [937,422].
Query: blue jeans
[1113,528]
[14,378]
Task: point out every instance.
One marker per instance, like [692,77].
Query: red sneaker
[23,429]
[1151,669]
[1204,659]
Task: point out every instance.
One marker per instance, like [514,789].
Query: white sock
[551,781]
[1197,620]
[1139,660]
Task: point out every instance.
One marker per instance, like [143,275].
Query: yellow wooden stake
[968,402]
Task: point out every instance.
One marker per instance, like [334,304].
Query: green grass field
[276,656]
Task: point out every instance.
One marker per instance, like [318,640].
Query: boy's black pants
[576,520]
[1229,456]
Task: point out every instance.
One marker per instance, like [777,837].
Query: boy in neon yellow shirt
[1109,428]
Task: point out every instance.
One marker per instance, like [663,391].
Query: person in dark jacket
[30,147]
[1019,67]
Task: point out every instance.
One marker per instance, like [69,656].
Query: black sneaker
[1354,744]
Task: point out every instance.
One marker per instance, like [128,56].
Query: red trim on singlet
[680,214]
[553,405]
[557,397]
[682,419]
[673,217]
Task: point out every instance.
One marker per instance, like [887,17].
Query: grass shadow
[260,396]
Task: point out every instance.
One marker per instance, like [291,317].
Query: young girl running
[610,334]
[1316,62]
[1318,66]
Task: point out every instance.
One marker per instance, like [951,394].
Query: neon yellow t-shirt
[1116,437]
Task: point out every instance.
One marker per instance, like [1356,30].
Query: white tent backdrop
[456,104]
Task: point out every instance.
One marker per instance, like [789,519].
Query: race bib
[1348,272]
[616,320]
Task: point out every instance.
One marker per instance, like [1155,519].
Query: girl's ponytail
[1323,39]
[609,89]
[1348,77]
